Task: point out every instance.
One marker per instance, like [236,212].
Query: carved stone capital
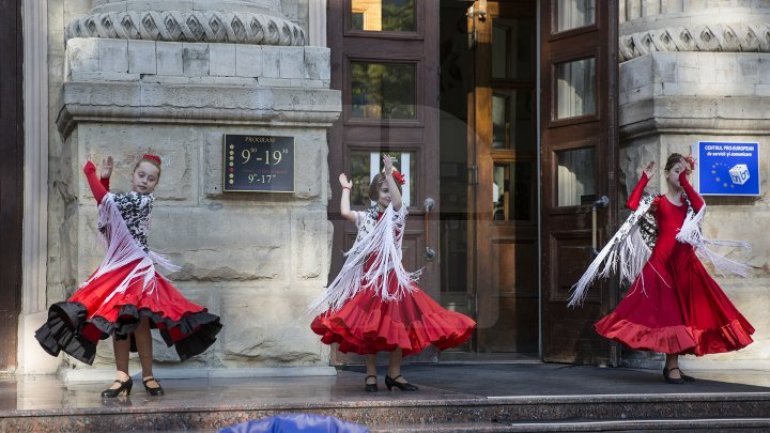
[190,26]
[737,37]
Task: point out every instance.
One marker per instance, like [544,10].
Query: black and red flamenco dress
[125,288]
[385,311]
[674,306]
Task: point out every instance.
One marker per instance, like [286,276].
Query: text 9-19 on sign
[258,163]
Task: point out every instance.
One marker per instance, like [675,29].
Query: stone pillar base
[31,357]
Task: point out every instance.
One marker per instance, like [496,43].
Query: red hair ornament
[152,158]
[398,177]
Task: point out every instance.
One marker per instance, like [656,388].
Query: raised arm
[345,199]
[636,194]
[695,199]
[97,188]
[395,193]
[106,172]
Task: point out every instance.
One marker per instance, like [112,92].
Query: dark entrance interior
[488,171]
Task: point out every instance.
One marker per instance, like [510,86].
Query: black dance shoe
[370,387]
[158,391]
[674,380]
[686,378]
[390,382]
[124,387]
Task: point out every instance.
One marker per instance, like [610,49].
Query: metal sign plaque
[727,168]
[258,163]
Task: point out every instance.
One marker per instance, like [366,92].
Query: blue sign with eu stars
[727,168]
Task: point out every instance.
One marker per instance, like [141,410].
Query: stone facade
[671,98]
[692,70]
[255,259]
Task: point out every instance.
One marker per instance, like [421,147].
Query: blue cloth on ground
[296,423]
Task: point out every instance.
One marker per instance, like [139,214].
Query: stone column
[173,77]
[31,358]
[700,70]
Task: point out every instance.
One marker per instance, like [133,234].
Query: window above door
[390,19]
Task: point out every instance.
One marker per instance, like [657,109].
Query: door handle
[603,202]
[430,253]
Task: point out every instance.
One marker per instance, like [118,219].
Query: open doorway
[488,172]
[508,145]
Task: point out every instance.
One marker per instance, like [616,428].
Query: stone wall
[693,25]
[670,101]
[254,259]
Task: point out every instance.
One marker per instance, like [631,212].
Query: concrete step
[536,413]
[753,425]
[678,425]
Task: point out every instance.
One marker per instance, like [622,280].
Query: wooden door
[503,187]
[578,71]
[384,59]
[11,193]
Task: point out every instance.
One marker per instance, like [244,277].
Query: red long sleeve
[636,194]
[97,187]
[695,199]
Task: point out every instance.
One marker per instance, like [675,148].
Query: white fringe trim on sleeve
[123,249]
[691,233]
[625,253]
[383,243]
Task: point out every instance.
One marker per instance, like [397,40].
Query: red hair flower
[398,177]
[151,157]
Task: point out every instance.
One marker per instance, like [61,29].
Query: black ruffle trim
[66,321]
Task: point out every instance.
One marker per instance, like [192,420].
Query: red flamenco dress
[674,306]
[374,305]
[125,288]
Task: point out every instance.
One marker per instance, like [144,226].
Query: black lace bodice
[135,209]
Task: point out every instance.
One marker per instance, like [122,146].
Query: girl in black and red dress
[126,296]
[375,305]
[673,305]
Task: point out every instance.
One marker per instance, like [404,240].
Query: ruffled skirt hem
[367,325]
[69,329]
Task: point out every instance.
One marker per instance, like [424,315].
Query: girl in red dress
[374,304]
[126,296]
[673,305]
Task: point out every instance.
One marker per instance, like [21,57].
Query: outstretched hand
[689,163]
[107,165]
[650,169]
[345,182]
[388,161]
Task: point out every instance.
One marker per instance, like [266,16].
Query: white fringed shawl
[123,249]
[628,252]
[383,242]
[691,233]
